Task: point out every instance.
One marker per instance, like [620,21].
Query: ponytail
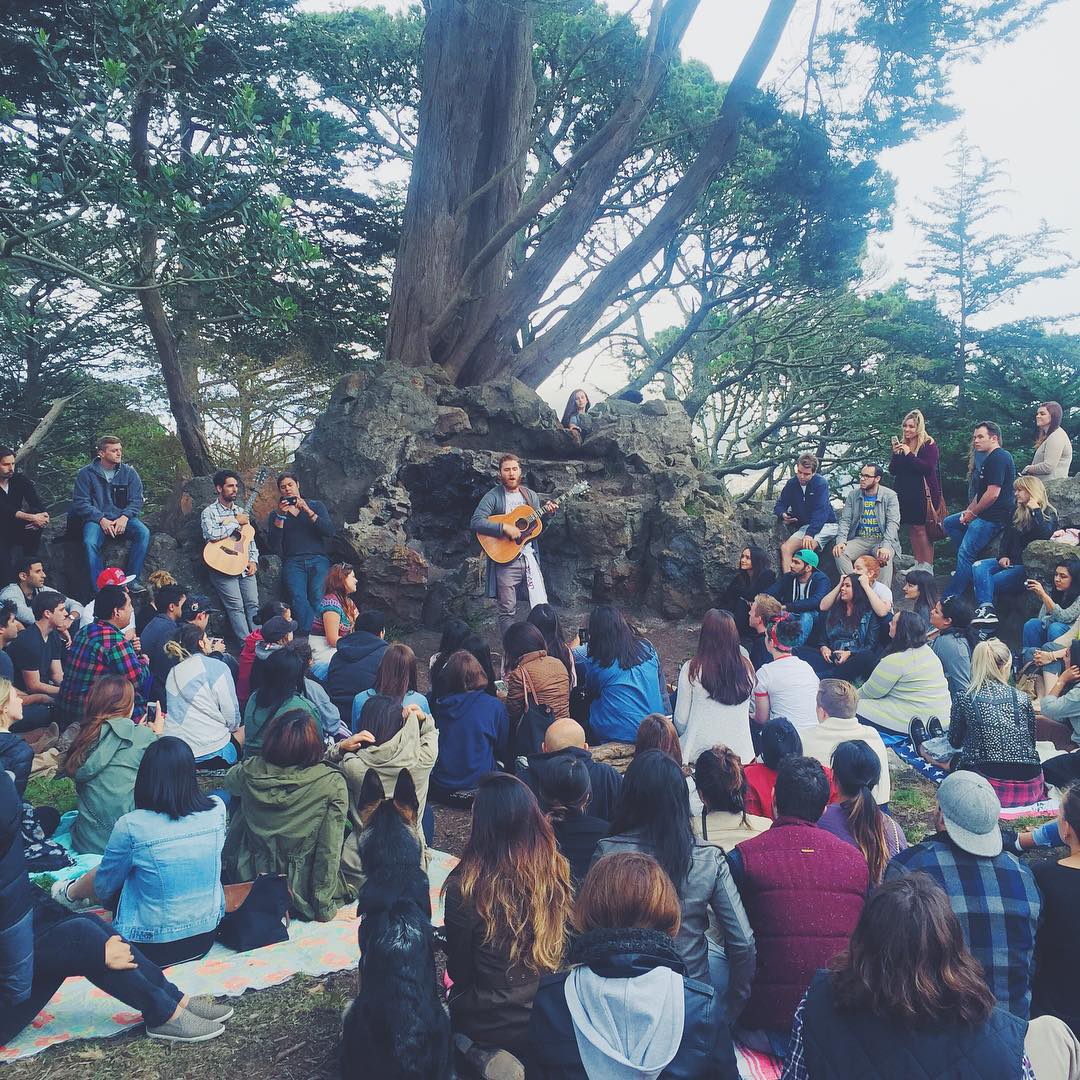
[867,825]
[186,643]
[721,781]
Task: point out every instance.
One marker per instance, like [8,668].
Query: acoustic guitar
[502,549]
[230,556]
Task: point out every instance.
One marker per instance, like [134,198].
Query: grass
[51,791]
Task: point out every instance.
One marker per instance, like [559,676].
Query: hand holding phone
[583,635]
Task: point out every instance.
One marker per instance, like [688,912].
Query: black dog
[396,1027]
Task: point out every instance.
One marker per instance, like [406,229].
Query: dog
[396,1027]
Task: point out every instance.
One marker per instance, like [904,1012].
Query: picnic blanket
[902,748]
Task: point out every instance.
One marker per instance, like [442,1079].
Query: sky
[1018,105]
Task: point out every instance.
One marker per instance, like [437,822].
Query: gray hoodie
[626,1028]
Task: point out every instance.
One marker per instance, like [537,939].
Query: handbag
[533,725]
[1025,679]
[261,914]
[935,515]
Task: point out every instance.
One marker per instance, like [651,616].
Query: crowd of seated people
[732,887]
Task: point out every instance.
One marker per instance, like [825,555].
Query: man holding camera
[300,533]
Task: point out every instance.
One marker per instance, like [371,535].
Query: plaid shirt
[101,649]
[219,522]
[795,1062]
[997,903]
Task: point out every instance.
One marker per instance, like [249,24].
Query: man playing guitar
[505,581]
[239,592]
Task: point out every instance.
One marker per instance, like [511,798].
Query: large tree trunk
[467,173]
[189,425]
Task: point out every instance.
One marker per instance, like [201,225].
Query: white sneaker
[59,893]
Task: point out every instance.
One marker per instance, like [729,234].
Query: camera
[292,500]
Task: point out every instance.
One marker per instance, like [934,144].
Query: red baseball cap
[113,575]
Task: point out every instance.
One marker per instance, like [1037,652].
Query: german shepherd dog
[396,1027]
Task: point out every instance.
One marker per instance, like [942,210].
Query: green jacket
[289,821]
[257,721]
[105,782]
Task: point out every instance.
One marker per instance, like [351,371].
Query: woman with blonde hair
[507,909]
[914,465]
[1034,519]
[992,730]
[1053,450]
[104,761]
[16,755]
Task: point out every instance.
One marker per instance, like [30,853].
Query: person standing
[869,524]
[107,501]
[300,533]
[984,518]
[1053,450]
[804,507]
[22,514]
[239,593]
[506,580]
[914,463]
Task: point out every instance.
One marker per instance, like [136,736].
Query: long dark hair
[860,605]
[512,874]
[454,632]
[565,787]
[779,739]
[907,962]
[546,619]
[613,640]
[381,715]
[520,639]
[476,645]
[924,581]
[1073,591]
[759,562]
[857,770]
[654,803]
[718,665]
[109,697]
[1056,413]
[282,677]
[910,632]
[720,780]
[657,732]
[166,782]
[571,405]
[959,610]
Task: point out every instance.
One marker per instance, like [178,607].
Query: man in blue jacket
[801,591]
[107,501]
[805,508]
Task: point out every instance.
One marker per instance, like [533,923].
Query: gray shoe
[67,738]
[209,1009]
[488,1063]
[186,1027]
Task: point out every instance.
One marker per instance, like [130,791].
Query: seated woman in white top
[201,703]
[715,691]
[721,785]
[908,681]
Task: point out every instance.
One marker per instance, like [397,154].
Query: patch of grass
[51,791]
[911,799]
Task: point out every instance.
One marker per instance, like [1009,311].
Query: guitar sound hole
[522,523]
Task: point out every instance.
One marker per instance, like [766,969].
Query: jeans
[509,580]
[990,578]
[17,758]
[76,946]
[240,598]
[1037,635]
[94,537]
[969,541]
[17,960]
[807,621]
[304,577]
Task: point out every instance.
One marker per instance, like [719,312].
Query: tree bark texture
[454,301]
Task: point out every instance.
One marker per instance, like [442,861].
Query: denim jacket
[167,874]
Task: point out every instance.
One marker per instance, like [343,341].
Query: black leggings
[167,953]
[76,946]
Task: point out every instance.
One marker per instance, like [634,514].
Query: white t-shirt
[791,687]
[883,591]
[88,618]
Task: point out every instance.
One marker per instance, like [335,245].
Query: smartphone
[151,713]
[583,635]
[895,441]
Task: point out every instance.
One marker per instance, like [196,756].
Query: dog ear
[371,790]
[405,792]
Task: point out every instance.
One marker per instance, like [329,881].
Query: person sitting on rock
[804,507]
[106,503]
[869,524]
[801,588]
[30,579]
[575,416]
[22,514]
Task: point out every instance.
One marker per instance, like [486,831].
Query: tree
[461,299]
[170,154]
[970,268]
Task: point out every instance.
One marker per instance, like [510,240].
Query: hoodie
[474,735]
[414,748]
[105,782]
[352,669]
[289,821]
[605,781]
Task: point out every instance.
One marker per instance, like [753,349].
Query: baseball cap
[194,606]
[971,809]
[809,557]
[277,629]
[113,575]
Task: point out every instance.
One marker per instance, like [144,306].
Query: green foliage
[56,791]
